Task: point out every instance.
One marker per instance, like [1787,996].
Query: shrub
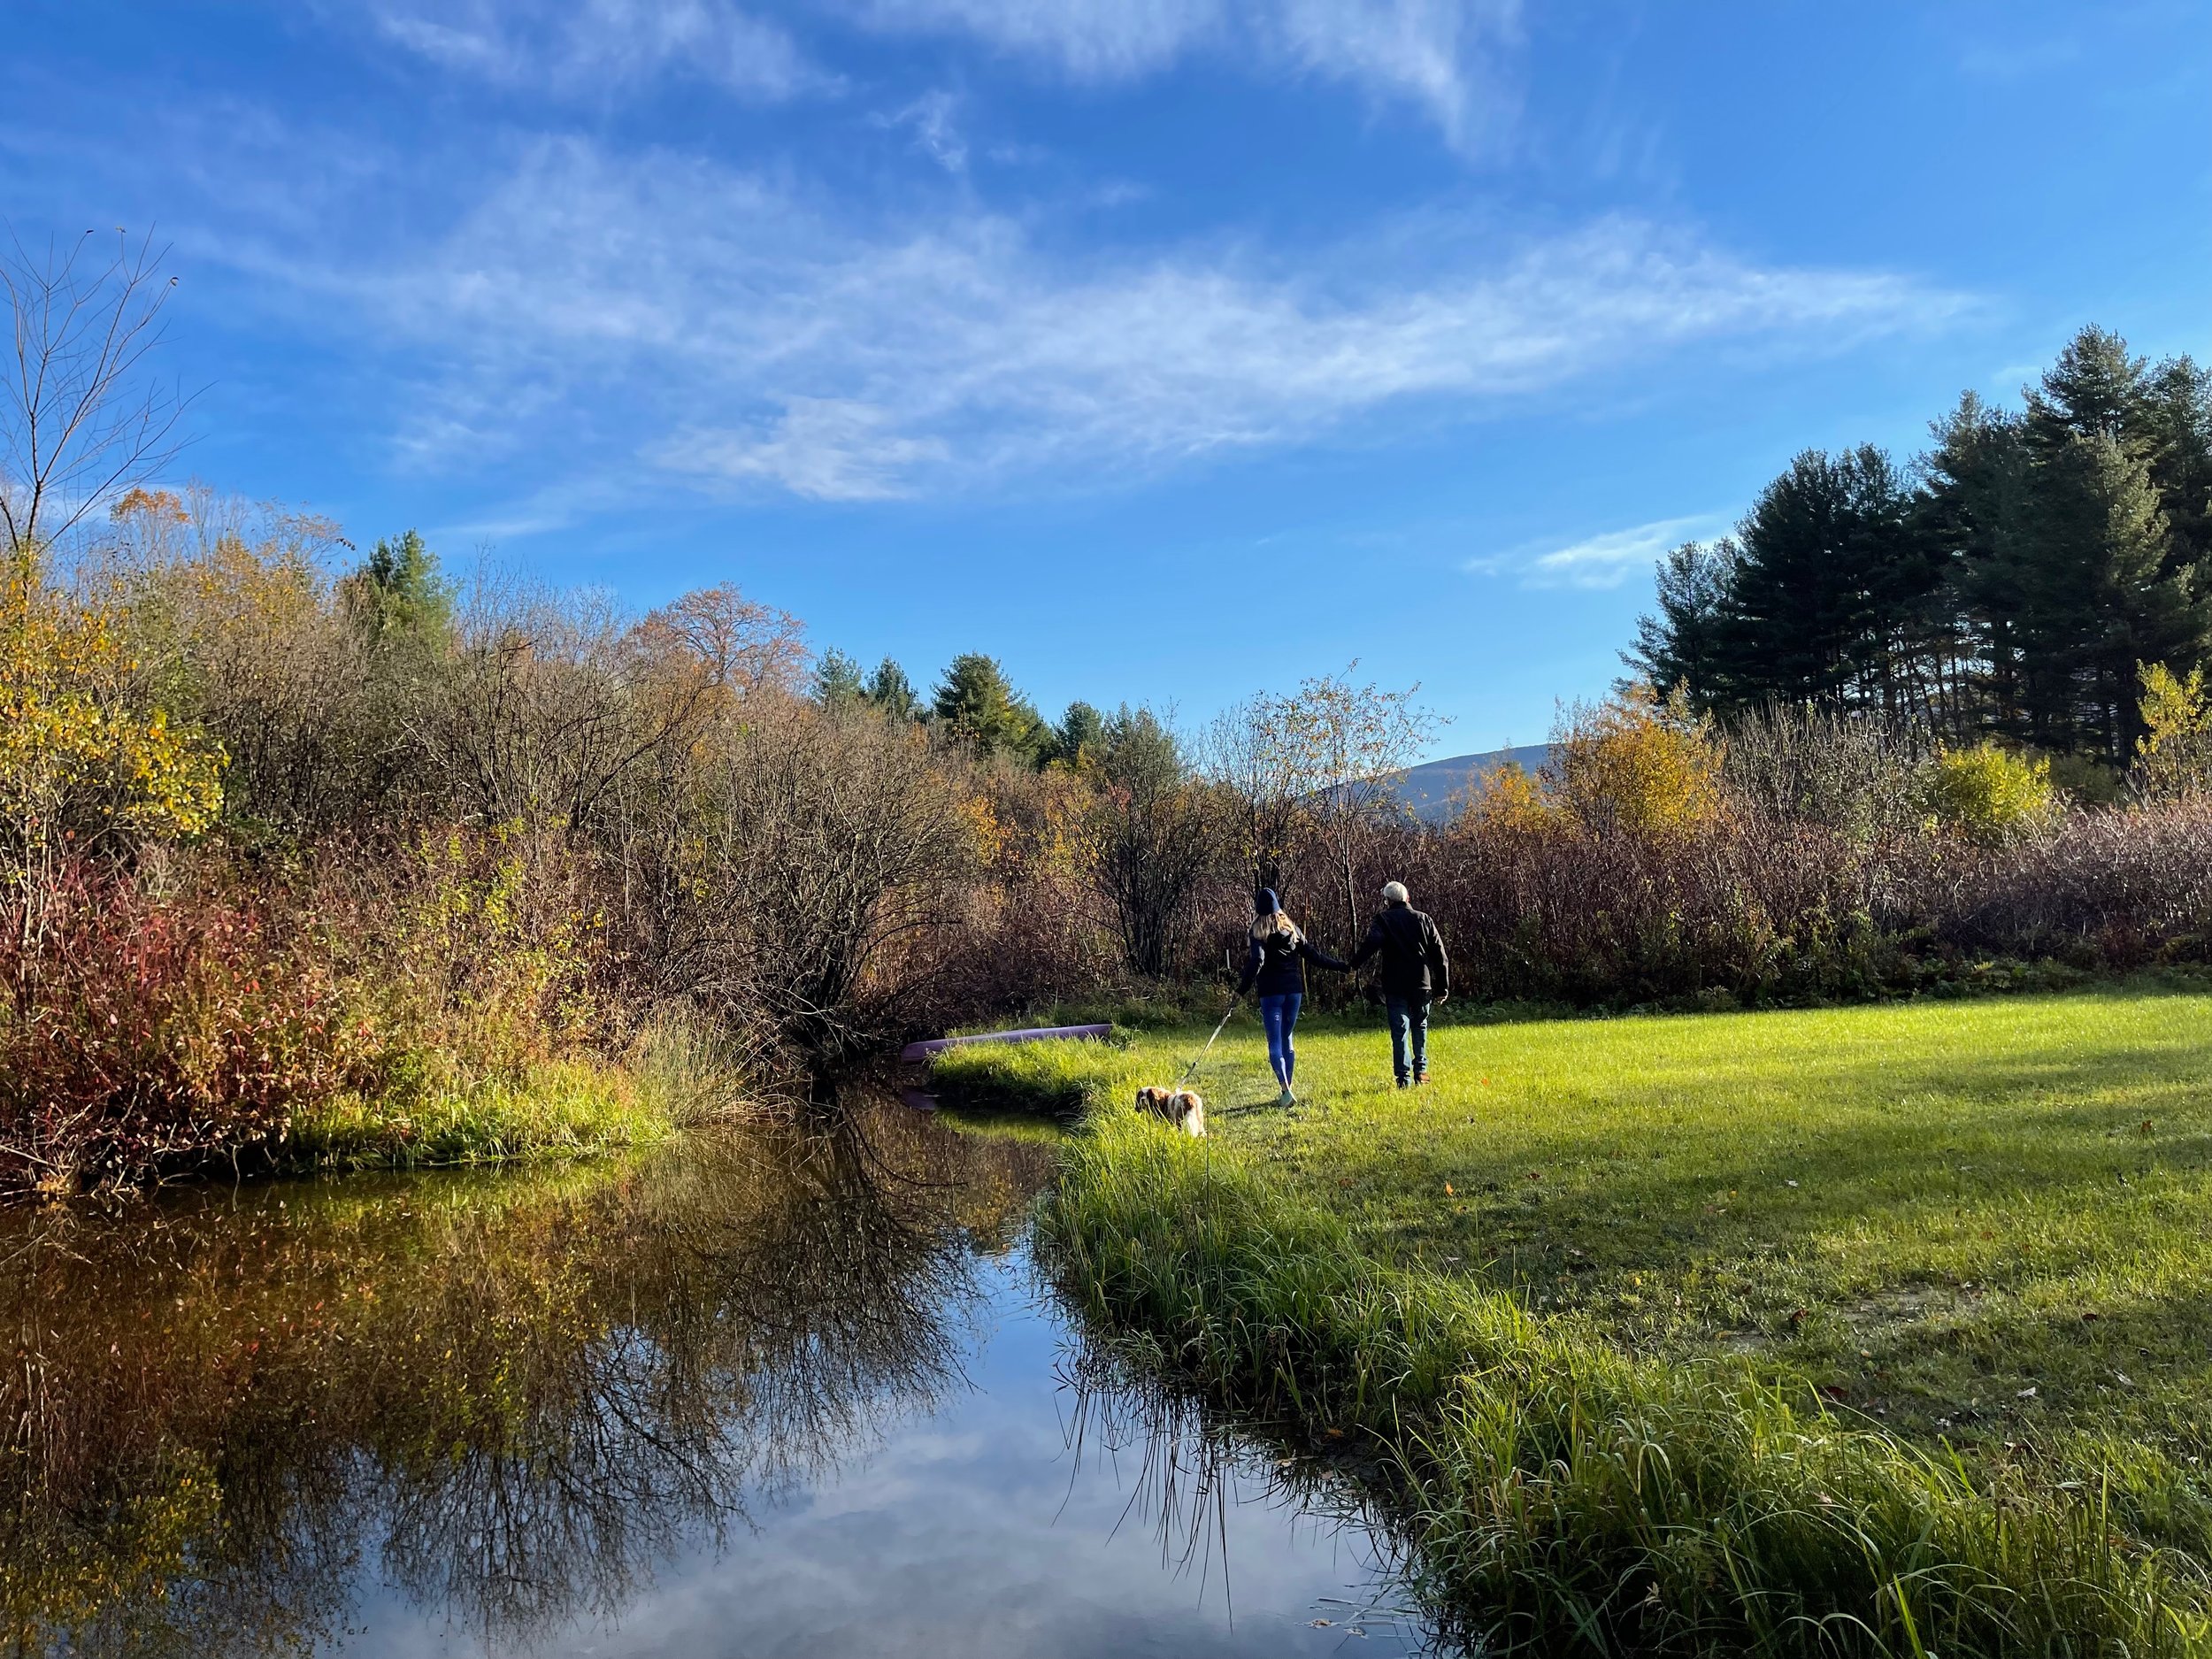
[1636,764]
[2173,758]
[162,1028]
[1986,793]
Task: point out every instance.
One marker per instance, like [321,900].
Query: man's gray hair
[1395,893]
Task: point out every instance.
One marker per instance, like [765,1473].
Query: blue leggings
[1280,1016]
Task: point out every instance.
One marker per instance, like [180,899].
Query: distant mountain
[1437,790]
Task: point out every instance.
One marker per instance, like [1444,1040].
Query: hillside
[1436,790]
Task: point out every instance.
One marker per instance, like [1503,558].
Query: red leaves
[149,1028]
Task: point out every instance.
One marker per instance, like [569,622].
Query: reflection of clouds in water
[981,1530]
[763,1396]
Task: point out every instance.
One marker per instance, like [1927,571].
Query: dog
[1178,1108]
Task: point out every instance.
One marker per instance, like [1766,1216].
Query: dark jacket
[1277,965]
[1414,965]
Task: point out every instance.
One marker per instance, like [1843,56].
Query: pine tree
[2106,530]
[1972,512]
[2094,389]
[1827,581]
[1080,736]
[837,683]
[892,692]
[2177,428]
[400,593]
[976,702]
[1680,644]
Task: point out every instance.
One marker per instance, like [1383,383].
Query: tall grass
[1572,1496]
[1056,1077]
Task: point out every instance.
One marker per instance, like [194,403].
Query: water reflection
[493,1412]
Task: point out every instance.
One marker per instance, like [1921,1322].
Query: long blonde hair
[1276,922]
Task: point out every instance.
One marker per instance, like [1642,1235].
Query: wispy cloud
[936,134]
[662,311]
[1445,57]
[571,47]
[1599,561]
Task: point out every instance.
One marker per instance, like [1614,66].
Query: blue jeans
[1280,1016]
[1408,1019]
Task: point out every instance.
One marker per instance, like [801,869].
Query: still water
[766,1393]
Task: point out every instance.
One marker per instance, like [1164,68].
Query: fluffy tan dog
[1177,1107]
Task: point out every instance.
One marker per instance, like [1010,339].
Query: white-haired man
[1415,973]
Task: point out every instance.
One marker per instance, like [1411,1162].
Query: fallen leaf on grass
[2026,1394]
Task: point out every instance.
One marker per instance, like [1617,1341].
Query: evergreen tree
[837,683]
[2103,595]
[1828,583]
[2043,555]
[891,691]
[2177,428]
[399,593]
[1080,736]
[1973,513]
[2095,389]
[976,702]
[1681,644]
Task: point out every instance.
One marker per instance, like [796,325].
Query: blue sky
[1168,349]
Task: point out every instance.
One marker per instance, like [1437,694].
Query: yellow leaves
[986,834]
[1638,764]
[1512,802]
[75,748]
[1632,763]
[1987,793]
[2171,756]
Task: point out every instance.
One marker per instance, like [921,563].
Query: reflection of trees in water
[519,1392]
[1185,1465]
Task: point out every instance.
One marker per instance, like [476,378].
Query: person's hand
[1443,998]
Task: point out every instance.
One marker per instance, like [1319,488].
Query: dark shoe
[1403,1084]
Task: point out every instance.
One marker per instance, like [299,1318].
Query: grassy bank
[673,1074]
[1697,1329]
[560,1110]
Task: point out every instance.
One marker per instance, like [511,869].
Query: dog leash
[1235,1003]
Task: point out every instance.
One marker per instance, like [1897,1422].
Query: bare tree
[1151,829]
[79,418]
[1329,755]
[1352,742]
[1247,755]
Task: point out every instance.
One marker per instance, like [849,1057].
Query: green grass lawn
[1982,1227]
[1926,1210]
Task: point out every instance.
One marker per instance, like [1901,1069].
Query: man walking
[1414,969]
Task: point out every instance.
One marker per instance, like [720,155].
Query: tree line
[2011,581]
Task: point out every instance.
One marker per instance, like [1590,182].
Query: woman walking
[1276,963]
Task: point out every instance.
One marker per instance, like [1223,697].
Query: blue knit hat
[1265,902]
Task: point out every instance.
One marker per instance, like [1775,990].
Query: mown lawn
[1985,1221]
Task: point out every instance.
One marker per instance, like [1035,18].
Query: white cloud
[721,327]
[936,134]
[1601,561]
[579,46]
[1091,40]
[1441,55]
[826,448]
[1445,57]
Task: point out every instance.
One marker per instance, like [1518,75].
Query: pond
[763,1393]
